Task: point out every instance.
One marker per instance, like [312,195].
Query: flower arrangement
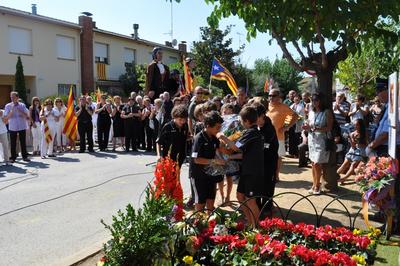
[376,180]
[377,173]
[167,183]
[277,242]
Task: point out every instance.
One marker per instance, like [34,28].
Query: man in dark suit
[157,75]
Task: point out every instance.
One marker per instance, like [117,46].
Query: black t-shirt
[172,140]
[167,109]
[84,116]
[203,147]
[128,109]
[271,146]
[252,145]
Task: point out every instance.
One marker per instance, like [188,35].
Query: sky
[154,19]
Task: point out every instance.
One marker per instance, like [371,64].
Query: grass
[388,252]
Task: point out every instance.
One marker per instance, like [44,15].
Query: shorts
[204,188]
[250,186]
[282,149]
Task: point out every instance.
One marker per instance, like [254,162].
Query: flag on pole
[188,78]
[219,72]
[70,122]
[98,95]
[268,85]
[47,132]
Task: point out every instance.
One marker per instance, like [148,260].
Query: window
[63,89]
[129,56]
[20,40]
[65,47]
[101,53]
[172,60]
[150,56]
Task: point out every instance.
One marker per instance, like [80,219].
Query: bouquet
[231,127]
[217,170]
[376,180]
[378,173]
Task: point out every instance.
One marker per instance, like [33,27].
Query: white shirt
[357,114]
[299,109]
[161,67]
[3,128]
[51,115]
[61,113]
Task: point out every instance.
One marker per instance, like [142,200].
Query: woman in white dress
[61,139]
[319,125]
[50,115]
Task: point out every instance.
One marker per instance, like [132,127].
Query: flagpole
[209,85]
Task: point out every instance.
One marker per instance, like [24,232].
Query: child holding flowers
[250,150]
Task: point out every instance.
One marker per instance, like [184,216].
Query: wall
[42,66]
[116,46]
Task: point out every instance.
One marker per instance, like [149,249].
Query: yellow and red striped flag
[98,95]
[219,72]
[70,121]
[47,132]
[188,78]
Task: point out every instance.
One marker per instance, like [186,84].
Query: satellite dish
[174,42]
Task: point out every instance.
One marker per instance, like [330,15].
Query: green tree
[359,71]
[20,80]
[133,79]
[215,43]
[322,32]
[280,70]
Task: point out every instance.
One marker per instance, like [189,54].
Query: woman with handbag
[319,126]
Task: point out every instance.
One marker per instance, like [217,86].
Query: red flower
[363,242]
[240,226]
[212,223]
[237,243]
[302,252]
[275,247]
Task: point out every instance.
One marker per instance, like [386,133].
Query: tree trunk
[325,79]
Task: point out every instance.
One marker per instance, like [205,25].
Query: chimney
[34,9]
[87,69]
[167,43]
[182,47]
[135,32]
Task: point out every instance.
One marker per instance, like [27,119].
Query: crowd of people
[187,128]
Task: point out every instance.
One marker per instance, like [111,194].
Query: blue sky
[154,19]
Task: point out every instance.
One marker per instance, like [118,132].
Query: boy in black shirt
[271,156]
[204,149]
[173,136]
[250,149]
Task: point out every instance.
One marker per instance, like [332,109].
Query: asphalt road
[50,210]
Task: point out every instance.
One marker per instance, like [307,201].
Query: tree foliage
[374,60]
[215,43]
[283,74]
[310,25]
[133,79]
[20,80]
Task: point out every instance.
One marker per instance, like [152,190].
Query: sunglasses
[273,95]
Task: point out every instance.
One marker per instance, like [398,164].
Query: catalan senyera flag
[101,71]
[268,85]
[219,72]
[188,78]
[47,133]
[70,122]
[98,95]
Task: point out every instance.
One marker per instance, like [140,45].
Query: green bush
[140,237]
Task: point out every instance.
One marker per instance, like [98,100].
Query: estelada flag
[219,72]
[47,132]
[70,122]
